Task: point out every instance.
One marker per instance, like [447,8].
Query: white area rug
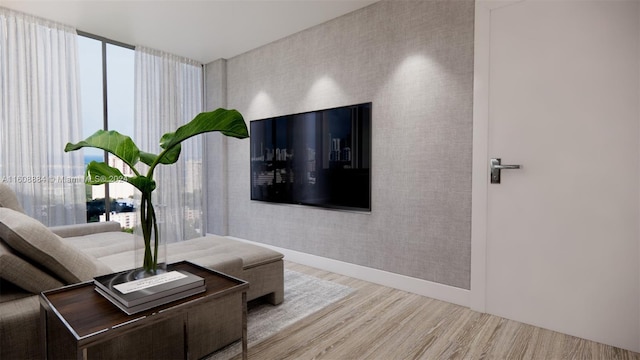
[303,296]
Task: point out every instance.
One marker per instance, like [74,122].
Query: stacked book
[139,295]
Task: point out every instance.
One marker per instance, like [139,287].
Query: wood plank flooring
[377,322]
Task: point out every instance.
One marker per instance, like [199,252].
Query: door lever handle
[496,166]
[506,167]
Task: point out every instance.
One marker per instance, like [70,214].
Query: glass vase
[150,252]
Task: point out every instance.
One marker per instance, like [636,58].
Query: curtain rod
[102,38]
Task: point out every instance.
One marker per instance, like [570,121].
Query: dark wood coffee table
[76,317]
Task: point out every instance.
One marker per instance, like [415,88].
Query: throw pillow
[8,198]
[34,241]
[19,272]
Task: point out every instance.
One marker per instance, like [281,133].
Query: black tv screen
[319,158]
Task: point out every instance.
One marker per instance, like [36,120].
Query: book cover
[151,304]
[130,293]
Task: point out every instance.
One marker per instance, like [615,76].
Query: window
[107,77]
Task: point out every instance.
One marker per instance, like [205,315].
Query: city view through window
[107,82]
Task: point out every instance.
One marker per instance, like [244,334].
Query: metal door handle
[496,166]
[505,167]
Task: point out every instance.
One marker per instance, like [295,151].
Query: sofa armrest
[85,229]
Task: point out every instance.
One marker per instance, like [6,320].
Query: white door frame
[479,182]
[480,173]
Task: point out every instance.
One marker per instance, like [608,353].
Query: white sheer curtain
[168,94]
[39,115]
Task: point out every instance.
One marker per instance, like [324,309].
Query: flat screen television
[318,158]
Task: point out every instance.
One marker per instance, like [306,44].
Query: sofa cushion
[199,252]
[252,255]
[105,243]
[23,274]
[34,241]
[8,198]
[66,231]
[10,292]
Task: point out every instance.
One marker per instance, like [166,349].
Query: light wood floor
[377,322]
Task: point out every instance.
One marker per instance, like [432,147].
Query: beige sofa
[34,258]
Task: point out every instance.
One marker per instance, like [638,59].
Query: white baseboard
[402,282]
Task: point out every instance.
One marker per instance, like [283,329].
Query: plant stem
[148,223]
[156,235]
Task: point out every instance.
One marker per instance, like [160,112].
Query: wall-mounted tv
[318,158]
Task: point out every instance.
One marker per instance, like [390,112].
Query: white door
[562,232]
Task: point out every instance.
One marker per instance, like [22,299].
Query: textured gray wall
[414,61]
[215,146]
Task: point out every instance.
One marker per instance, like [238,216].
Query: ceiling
[203,30]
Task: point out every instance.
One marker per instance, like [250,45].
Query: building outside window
[107,96]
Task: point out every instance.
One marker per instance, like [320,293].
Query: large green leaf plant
[227,122]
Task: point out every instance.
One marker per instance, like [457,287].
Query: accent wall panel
[413,60]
